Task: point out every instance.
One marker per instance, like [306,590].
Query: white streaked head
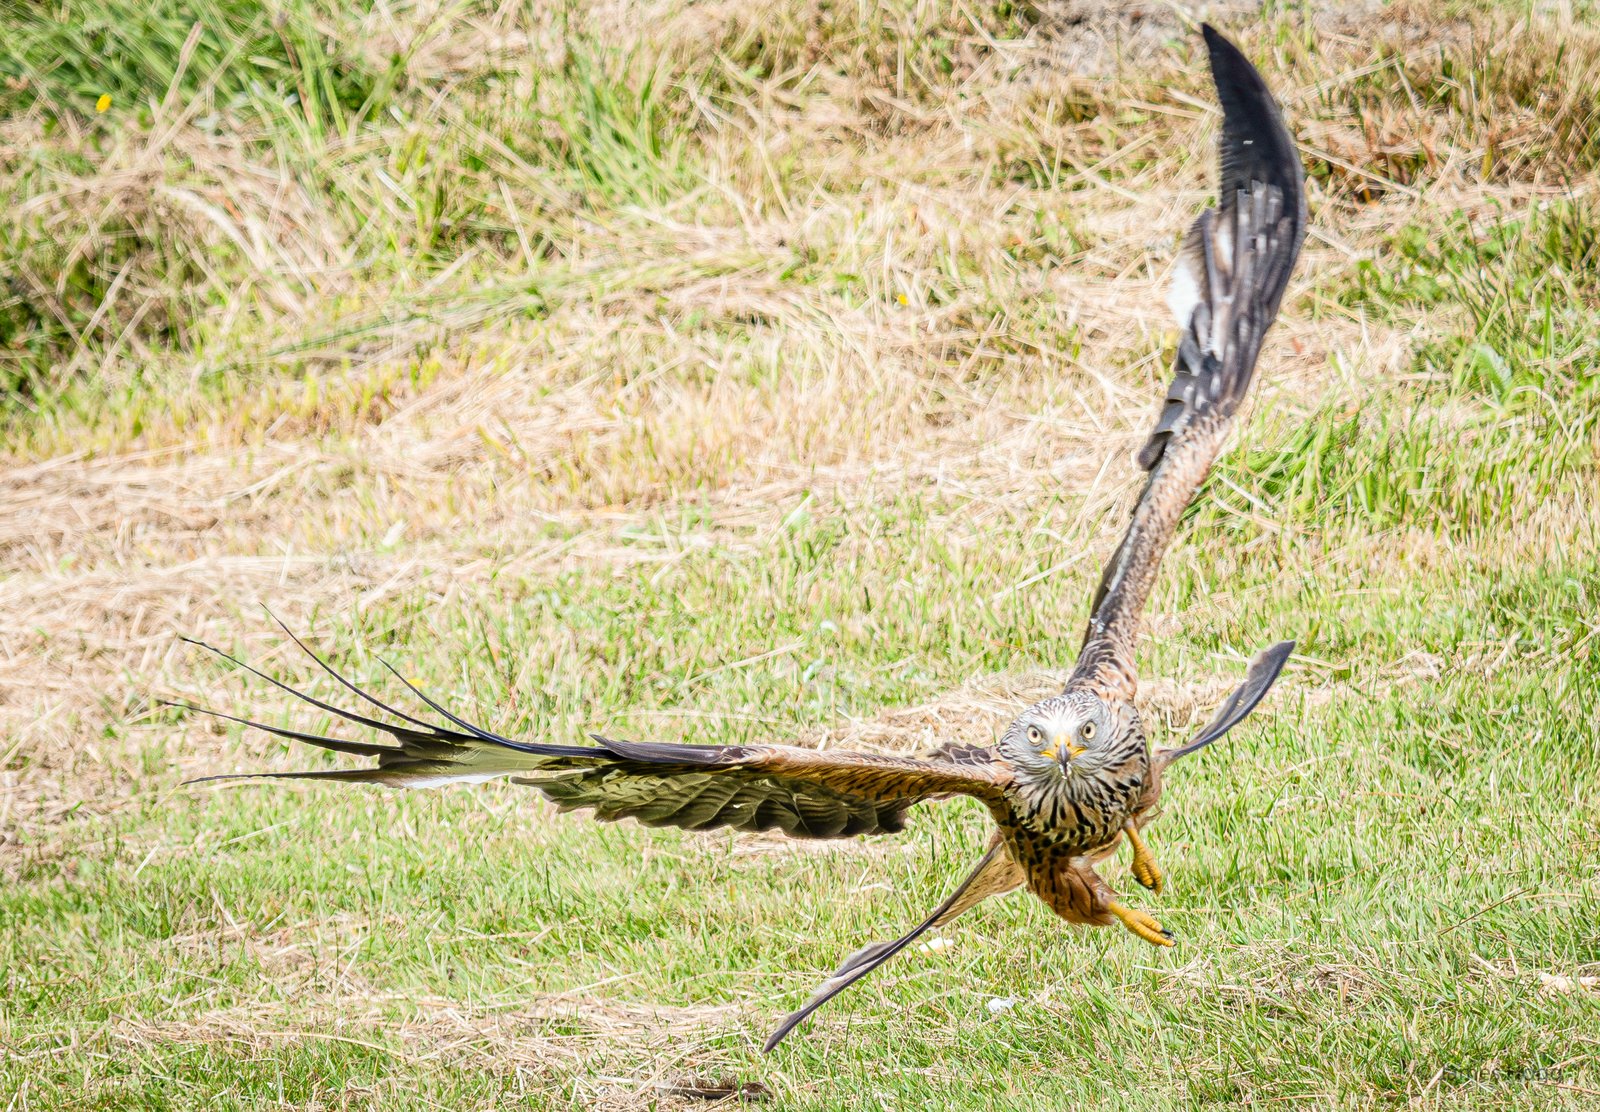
[1065,735]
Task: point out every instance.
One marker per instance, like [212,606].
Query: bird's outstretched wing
[1263,671]
[1232,272]
[996,874]
[806,793]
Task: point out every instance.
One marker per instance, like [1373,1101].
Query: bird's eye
[1034,735]
[1088,730]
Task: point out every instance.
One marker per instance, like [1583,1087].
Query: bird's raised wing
[806,793]
[1231,275]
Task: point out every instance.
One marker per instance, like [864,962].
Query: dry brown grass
[523,447]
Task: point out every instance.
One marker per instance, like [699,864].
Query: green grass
[770,374]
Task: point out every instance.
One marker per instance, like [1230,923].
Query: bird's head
[1066,735]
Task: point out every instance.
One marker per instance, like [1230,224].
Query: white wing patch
[425,782]
[1184,295]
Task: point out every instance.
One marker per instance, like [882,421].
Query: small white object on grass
[998,1004]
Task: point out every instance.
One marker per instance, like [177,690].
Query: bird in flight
[1073,776]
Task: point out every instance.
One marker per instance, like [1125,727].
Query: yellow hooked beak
[1073,751]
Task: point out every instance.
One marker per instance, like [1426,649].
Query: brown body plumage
[1073,776]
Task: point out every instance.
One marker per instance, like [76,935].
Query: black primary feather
[328,668]
[1258,679]
[1260,208]
[1256,146]
[869,957]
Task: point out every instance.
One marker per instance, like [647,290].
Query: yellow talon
[1145,869]
[1142,925]
[1146,872]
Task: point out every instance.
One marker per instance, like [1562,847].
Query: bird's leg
[1141,924]
[1145,869]
[1081,895]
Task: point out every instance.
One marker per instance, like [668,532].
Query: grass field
[771,369]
